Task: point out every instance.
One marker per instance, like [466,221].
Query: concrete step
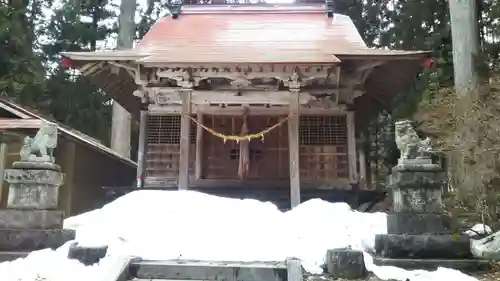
[209,270]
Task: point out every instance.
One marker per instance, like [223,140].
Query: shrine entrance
[268,157]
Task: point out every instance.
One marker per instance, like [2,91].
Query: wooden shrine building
[250,97]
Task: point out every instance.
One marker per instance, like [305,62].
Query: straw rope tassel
[244,159]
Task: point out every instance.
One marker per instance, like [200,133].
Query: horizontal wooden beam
[169,96]
[239,110]
[9,124]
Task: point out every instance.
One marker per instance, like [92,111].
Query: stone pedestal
[31,221]
[418,231]
[33,188]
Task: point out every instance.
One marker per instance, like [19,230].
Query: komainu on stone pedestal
[419,234]
[34,180]
[32,221]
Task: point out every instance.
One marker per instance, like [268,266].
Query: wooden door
[268,158]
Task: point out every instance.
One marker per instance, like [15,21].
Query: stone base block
[407,223]
[87,256]
[10,256]
[345,264]
[423,246]
[33,196]
[465,265]
[209,270]
[31,219]
[33,188]
[19,240]
[417,200]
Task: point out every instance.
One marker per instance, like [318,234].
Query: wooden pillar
[362,168]
[293,147]
[351,147]
[362,162]
[199,146]
[142,146]
[185,94]
[3,158]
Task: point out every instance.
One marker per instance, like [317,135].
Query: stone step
[206,270]
[33,239]
[411,223]
[464,265]
[10,256]
[31,219]
[423,246]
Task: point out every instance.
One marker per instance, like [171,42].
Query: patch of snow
[478,229]
[161,225]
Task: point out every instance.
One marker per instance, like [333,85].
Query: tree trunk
[121,122]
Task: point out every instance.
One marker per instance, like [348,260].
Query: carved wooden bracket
[241,76]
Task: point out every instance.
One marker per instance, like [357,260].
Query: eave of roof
[77,135]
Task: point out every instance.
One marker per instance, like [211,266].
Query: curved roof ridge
[253,8]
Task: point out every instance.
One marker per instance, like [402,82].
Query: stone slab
[345,264]
[464,265]
[206,270]
[33,196]
[33,176]
[408,223]
[417,165]
[417,200]
[87,256]
[33,165]
[31,219]
[423,246]
[19,240]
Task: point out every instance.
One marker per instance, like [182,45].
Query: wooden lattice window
[323,130]
[166,129]
[323,148]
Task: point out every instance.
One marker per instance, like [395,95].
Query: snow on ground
[159,225]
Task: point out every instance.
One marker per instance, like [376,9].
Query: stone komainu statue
[41,147]
[409,143]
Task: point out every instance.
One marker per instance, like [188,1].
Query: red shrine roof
[249,34]
[232,34]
